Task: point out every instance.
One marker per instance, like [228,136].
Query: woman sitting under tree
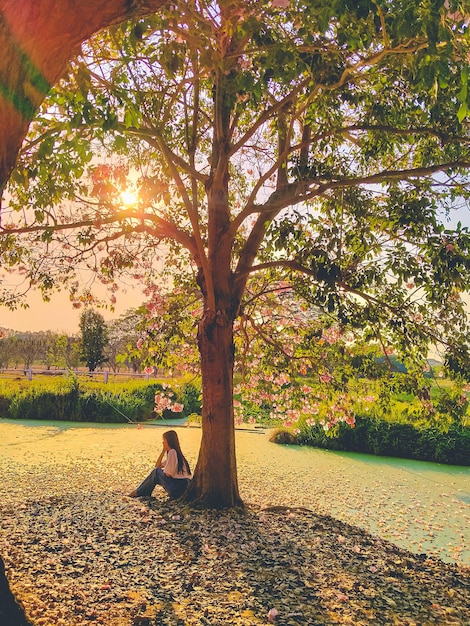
[172,473]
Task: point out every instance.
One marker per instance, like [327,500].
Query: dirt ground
[77,551]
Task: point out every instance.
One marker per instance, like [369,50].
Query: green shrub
[283,436]
[57,400]
[189,395]
[111,408]
[195,419]
[380,437]
[88,400]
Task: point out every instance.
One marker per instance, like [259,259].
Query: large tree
[317,143]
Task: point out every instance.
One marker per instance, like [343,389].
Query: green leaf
[462,112]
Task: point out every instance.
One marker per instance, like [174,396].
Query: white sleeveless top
[170,466]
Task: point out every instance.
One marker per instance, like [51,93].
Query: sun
[128,197]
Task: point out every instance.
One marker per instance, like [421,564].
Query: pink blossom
[244,63]
[161,403]
[140,343]
[325,377]
[282,379]
[273,614]
[331,335]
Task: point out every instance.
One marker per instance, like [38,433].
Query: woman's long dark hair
[172,440]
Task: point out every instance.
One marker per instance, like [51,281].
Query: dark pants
[175,487]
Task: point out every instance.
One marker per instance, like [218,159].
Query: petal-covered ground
[77,551]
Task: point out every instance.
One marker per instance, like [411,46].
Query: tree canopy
[256,149]
[37,39]
[93,338]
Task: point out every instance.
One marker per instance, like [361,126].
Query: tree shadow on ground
[312,569]
[103,558]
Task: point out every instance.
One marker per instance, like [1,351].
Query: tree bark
[37,38]
[215,483]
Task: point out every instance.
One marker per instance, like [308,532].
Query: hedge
[69,399]
[383,438]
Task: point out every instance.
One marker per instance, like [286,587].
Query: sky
[459,215]
[58,315]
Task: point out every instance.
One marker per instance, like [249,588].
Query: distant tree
[31,347]
[62,351]
[52,354]
[8,350]
[71,350]
[94,338]
[122,335]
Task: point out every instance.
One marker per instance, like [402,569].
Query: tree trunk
[215,484]
[37,38]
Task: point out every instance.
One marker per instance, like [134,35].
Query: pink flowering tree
[248,146]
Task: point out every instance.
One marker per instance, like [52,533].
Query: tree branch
[200,257]
[154,139]
[163,228]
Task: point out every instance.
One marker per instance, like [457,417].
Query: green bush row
[383,438]
[69,399]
